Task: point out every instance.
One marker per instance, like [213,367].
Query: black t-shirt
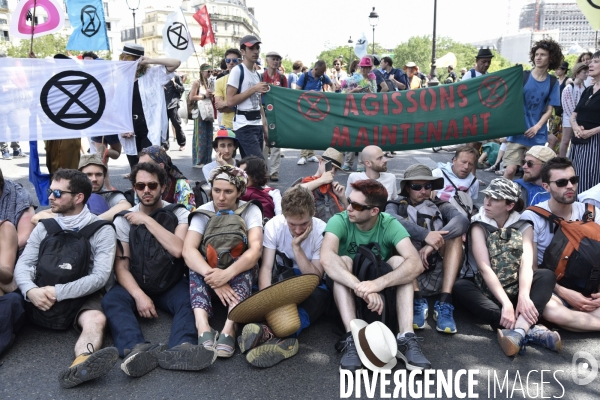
[588,109]
[137,110]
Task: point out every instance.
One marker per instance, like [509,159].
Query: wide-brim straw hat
[277,304]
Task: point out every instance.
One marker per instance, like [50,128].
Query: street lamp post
[350,41]
[373,20]
[133,11]
[434,80]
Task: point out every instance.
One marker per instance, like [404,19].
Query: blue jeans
[12,315]
[120,310]
[250,138]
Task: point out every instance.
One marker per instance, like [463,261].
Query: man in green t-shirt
[363,223]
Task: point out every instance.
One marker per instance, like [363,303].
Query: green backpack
[505,246]
[225,238]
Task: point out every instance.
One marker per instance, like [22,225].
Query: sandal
[490,169]
[225,345]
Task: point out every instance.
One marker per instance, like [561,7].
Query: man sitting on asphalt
[150,275]
[568,307]
[458,174]
[436,228]
[375,167]
[532,191]
[77,302]
[364,223]
[225,145]
[296,235]
[103,202]
[328,194]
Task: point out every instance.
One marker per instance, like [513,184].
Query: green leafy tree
[215,54]
[43,46]
[346,53]
[287,64]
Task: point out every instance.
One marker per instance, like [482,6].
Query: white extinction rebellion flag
[177,40]
[46,99]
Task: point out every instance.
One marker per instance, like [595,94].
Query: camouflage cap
[503,189]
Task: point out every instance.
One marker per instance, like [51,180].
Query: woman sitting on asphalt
[500,284]
[269,198]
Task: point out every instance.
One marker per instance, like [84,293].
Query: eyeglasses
[57,193]
[417,187]
[357,206]
[142,185]
[530,163]
[563,182]
[232,60]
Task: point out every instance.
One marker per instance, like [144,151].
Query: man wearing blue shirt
[540,95]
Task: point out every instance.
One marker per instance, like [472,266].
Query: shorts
[93,302]
[566,121]
[108,139]
[562,300]
[514,154]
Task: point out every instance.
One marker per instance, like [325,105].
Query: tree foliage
[347,54]
[43,46]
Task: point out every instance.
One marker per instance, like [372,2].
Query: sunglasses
[57,193]
[563,182]
[357,206]
[232,60]
[142,185]
[530,163]
[417,187]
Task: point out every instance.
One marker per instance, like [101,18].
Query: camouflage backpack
[505,246]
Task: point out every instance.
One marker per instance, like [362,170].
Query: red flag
[208,36]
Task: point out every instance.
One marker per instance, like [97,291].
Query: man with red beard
[532,191]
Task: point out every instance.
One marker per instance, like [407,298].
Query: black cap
[564,65]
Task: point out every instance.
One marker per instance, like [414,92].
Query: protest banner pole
[32,27]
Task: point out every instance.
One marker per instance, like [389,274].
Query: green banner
[487,107]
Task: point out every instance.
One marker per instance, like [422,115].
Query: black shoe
[409,351]
[350,360]
[142,359]
[187,357]
[88,366]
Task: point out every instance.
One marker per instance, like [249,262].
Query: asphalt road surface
[30,368]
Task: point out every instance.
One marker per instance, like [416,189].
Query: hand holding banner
[177,40]
[89,26]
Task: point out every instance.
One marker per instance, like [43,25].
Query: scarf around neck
[75,222]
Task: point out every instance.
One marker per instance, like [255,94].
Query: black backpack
[152,267]
[368,266]
[64,256]
[200,194]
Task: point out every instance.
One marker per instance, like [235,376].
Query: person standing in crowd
[203,129]
[556,122]
[586,58]
[463,71]
[540,95]
[233,57]
[149,110]
[451,74]
[293,76]
[243,93]
[338,74]
[569,100]
[173,91]
[585,120]
[272,76]
[395,75]
[483,60]
[412,76]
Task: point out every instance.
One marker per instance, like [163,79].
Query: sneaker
[6,155]
[420,313]
[187,357]
[142,359]
[345,167]
[542,336]
[208,339]
[442,314]
[254,335]
[301,161]
[409,351]
[225,345]
[275,177]
[313,159]
[511,341]
[350,360]
[19,153]
[360,169]
[88,366]
[272,352]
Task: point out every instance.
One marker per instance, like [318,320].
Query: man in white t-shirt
[458,174]
[483,60]
[296,237]
[568,308]
[144,287]
[375,167]
[243,93]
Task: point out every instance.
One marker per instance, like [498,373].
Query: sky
[302,29]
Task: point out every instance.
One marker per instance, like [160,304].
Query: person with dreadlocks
[178,190]
[233,283]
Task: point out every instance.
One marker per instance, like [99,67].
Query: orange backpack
[574,252]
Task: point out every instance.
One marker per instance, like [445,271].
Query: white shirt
[468,75]
[251,215]
[122,226]
[277,236]
[541,232]
[448,191]
[387,179]
[252,103]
